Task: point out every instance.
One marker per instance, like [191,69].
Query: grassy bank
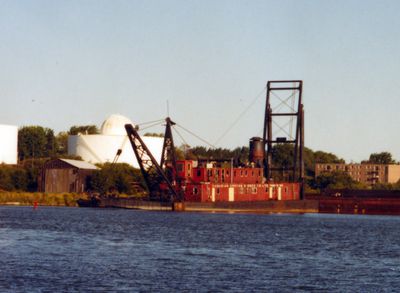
[44,199]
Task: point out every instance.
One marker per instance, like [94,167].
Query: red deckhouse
[221,180]
[211,182]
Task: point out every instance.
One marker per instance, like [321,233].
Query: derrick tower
[284,131]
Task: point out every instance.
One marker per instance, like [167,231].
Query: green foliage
[387,186]
[25,198]
[336,180]
[115,177]
[62,143]
[282,157]
[22,177]
[154,134]
[326,158]
[35,142]
[13,178]
[84,129]
[240,154]
[380,158]
[32,168]
[51,145]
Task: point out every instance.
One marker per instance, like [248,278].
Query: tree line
[37,144]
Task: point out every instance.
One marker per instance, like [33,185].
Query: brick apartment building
[369,174]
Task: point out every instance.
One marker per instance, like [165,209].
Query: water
[97,250]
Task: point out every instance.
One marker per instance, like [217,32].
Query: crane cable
[240,116]
[150,126]
[198,137]
[151,122]
[161,121]
[157,122]
[177,132]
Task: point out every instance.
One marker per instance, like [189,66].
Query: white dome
[115,125]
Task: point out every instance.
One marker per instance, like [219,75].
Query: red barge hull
[358,202]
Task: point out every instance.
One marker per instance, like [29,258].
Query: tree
[153,134]
[115,177]
[62,143]
[326,158]
[51,145]
[201,152]
[32,168]
[35,142]
[13,178]
[381,158]
[85,129]
[336,180]
[241,154]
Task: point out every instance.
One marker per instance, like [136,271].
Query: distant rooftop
[80,164]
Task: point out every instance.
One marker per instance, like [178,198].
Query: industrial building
[62,175]
[9,144]
[369,174]
[103,147]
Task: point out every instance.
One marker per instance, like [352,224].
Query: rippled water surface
[99,250]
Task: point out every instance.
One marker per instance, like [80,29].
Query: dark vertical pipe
[269,144]
[302,153]
[266,129]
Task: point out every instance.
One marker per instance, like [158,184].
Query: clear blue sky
[65,63]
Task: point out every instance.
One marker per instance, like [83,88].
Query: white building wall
[98,148]
[8,144]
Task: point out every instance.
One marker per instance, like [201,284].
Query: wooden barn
[62,175]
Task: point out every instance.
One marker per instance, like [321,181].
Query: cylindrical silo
[9,144]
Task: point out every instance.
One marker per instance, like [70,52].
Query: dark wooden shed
[63,175]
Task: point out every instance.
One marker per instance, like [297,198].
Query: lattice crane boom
[152,172]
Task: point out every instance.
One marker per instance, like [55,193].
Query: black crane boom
[152,172]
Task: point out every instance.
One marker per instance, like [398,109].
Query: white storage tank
[8,144]
[102,148]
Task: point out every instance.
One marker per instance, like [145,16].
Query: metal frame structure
[152,172]
[168,155]
[274,88]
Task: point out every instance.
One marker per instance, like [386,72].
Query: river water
[109,250]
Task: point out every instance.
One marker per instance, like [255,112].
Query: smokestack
[256,152]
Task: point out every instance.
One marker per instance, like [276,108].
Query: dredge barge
[225,180]
[226,183]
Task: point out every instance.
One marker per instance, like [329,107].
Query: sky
[65,63]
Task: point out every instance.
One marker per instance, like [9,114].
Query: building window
[195,191]
[198,173]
